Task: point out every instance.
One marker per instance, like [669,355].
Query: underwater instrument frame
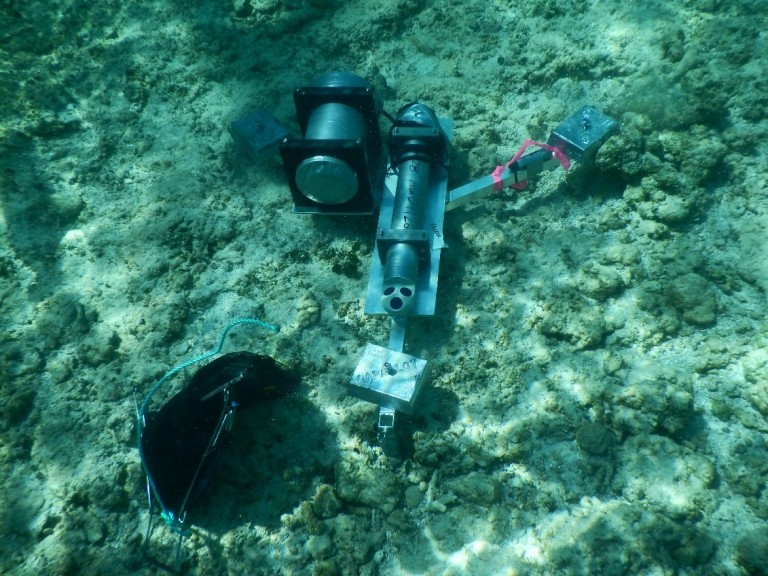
[335,168]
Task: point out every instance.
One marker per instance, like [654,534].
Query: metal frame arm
[529,165]
[577,138]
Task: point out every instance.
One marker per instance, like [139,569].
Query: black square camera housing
[362,155]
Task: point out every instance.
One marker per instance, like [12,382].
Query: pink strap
[498,185]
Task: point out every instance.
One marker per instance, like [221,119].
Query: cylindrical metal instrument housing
[401,266]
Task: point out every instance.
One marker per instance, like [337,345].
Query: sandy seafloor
[599,393]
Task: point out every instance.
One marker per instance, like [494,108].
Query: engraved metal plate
[388,378]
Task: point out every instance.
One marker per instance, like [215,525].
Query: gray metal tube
[411,195]
[335,121]
[401,265]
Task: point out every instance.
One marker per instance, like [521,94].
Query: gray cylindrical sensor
[401,270]
[335,120]
[401,265]
[324,178]
[411,194]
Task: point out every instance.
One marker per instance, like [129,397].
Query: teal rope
[174,523]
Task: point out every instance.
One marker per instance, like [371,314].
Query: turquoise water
[598,391]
